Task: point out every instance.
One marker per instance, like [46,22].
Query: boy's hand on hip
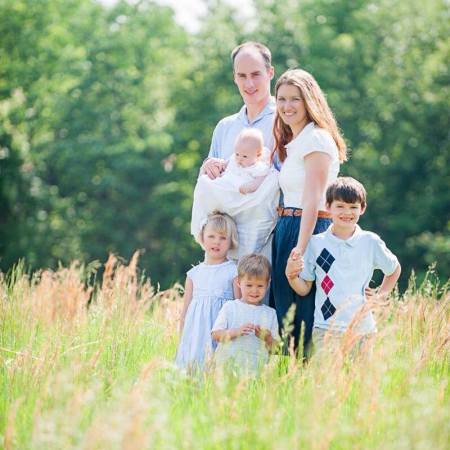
[375,294]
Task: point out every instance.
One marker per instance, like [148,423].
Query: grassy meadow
[103,377]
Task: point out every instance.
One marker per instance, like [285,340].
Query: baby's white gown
[254,213]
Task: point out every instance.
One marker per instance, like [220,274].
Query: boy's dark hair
[261,48]
[254,265]
[346,189]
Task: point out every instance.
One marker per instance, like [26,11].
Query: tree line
[107,112]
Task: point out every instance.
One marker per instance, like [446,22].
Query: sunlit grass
[103,377]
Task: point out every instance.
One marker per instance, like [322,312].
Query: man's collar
[268,109]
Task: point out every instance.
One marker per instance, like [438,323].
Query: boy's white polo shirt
[342,270]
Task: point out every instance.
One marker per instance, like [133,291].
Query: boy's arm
[386,286]
[265,335]
[251,186]
[300,286]
[232,333]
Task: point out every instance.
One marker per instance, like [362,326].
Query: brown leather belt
[297,212]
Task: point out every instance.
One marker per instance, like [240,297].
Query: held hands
[294,264]
[213,167]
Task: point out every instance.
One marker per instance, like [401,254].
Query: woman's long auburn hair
[317,111]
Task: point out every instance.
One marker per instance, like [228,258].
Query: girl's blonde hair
[317,111]
[221,223]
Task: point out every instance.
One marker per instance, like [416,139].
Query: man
[252,72]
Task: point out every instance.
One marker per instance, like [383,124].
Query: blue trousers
[282,296]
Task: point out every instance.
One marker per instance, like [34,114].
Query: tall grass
[102,376]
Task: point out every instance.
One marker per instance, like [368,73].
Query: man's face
[252,77]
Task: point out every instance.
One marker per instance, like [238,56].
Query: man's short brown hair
[261,48]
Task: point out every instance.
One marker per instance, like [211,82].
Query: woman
[308,143]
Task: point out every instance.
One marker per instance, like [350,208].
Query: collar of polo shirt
[268,109]
[351,241]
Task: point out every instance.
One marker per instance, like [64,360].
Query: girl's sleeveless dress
[213,286]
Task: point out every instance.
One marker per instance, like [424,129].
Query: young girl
[248,185]
[208,286]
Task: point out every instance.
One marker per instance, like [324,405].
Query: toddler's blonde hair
[221,223]
[254,265]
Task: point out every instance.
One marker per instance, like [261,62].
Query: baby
[247,190]
[249,161]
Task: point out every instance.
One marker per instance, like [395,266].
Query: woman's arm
[187,297]
[317,165]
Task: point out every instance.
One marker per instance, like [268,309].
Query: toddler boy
[245,328]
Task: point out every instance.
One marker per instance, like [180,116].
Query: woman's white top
[292,174]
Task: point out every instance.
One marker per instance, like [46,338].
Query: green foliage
[107,113]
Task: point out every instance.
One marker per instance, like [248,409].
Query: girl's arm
[317,165]
[187,297]
[236,289]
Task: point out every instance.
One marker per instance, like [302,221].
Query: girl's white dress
[254,213]
[213,286]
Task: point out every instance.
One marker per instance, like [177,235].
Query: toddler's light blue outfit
[213,286]
[248,353]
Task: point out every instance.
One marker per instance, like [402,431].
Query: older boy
[342,261]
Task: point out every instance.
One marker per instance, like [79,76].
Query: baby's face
[246,152]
